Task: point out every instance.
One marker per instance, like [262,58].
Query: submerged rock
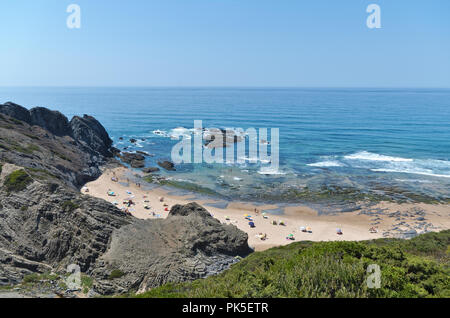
[167,165]
[150,170]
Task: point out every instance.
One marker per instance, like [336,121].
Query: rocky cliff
[47,224]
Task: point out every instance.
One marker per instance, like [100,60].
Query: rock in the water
[134,159]
[150,170]
[167,165]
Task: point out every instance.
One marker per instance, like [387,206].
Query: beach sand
[390,219]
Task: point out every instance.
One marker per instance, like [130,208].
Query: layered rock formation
[47,224]
[188,245]
[42,139]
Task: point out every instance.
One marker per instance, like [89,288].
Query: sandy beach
[388,219]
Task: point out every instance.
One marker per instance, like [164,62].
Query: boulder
[150,170]
[167,165]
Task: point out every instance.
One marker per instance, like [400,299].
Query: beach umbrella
[308,229]
[251,224]
[303,229]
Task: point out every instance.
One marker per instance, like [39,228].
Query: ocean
[359,143]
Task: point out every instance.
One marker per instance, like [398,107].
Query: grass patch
[86,282]
[117,273]
[41,173]
[16,121]
[69,206]
[32,136]
[26,150]
[419,267]
[17,181]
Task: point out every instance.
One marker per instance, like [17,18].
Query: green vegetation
[32,136]
[86,282]
[419,267]
[17,181]
[116,274]
[16,121]
[149,178]
[69,206]
[41,173]
[1,167]
[26,150]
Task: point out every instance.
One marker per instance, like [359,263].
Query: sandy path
[355,225]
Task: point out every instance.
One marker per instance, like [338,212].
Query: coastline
[391,220]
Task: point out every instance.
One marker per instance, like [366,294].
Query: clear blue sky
[225,43]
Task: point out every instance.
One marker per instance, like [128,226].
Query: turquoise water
[360,138]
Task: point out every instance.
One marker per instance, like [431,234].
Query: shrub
[409,268]
[17,181]
[69,206]
[117,273]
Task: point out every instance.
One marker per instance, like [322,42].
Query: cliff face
[42,139]
[47,224]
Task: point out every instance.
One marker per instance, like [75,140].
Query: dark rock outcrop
[50,120]
[135,160]
[188,245]
[16,111]
[150,170]
[89,131]
[167,165]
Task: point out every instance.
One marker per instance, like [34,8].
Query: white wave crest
[325,164]
[271,171]
[369,156]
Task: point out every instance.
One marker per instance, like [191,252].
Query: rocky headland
[46,224]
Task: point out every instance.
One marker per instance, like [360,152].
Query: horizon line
[226,87]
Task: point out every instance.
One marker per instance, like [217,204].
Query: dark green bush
[17,181]
[69,206]
[116,274]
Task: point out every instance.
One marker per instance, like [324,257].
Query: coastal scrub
[17,181]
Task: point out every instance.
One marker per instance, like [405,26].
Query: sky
[225,43]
